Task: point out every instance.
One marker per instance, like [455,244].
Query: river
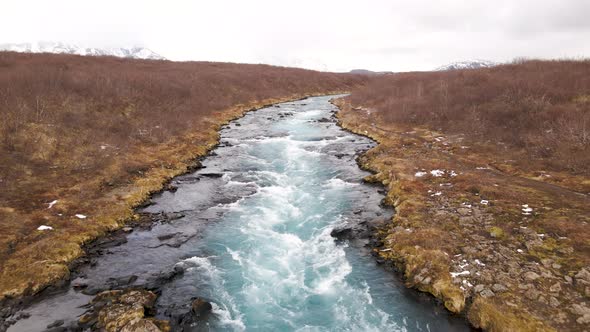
[252,234]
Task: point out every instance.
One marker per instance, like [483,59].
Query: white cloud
[337,35]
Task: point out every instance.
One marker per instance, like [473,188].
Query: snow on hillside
[53,47]
[469,64]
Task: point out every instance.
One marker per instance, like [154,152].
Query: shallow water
[255,237]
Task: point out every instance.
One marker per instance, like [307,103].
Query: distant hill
[469,64]
[58,47]
[368,72]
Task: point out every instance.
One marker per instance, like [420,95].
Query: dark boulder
[342,233]
[57,323]
[200,307]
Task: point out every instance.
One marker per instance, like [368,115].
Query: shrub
[541,107]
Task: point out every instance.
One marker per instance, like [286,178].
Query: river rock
[532,294]
[156,280]
[113,240]
[582,311]
[579,309]
[171,188]
[555,288]
[141,297]
[200,307]
[486,293]
[583,277]
[499,288]
[174,240]
[116,309]
[79,283]
[165,237]
[143,325]
[583,320]
[212,175]
[195,319]
[94,289]
[115,316]
[341,233]
[531,276]
[376,243]
[170,216]
[478,288]
[57,323]
[121,281]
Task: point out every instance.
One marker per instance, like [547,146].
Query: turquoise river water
[255,237]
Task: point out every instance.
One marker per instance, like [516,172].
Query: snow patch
[526,210]
[462,273]
[44,228]
[437,172]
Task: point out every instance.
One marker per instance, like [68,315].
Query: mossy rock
[496,232]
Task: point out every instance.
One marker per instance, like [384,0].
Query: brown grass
[99,134]
[541,108]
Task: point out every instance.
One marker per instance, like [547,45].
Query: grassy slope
[525,272]
[101,134]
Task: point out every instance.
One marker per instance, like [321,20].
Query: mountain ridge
[135,52]
[467,64]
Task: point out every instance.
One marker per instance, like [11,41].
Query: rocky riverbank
[505,247]
[25,275]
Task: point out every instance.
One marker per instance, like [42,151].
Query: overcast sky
[338,35]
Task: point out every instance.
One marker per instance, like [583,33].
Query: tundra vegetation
[489,172]
[84,140]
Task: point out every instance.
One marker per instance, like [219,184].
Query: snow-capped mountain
[469,64]
[53,47]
